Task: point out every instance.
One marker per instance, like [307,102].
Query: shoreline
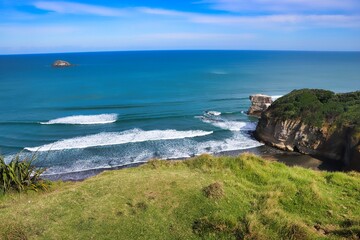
[290,159]
[268,153]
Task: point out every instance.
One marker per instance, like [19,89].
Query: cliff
[315,122]
[259,103]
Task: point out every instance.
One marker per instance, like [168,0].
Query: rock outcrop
[336,138]
[259,103]
[61,63]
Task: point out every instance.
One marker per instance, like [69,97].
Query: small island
[259,103]
[61,63]
[315,122]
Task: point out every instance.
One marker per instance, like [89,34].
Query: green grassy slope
[252,199]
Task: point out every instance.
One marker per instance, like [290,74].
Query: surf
[84,119]
[117,138]
[223,123]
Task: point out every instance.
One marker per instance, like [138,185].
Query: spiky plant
[21,175]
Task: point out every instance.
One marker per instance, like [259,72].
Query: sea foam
[78,160]
[276,97]
[116,138]
[239,141]
[213,113]
[230,125]
[84,119]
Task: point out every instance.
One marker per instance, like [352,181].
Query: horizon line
[182,50]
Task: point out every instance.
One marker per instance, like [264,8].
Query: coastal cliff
[315,122]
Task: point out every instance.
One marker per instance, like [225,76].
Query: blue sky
[42,26]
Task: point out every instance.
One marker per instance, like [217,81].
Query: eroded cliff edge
[315,122]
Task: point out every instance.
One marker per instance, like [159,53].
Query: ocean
[113,109]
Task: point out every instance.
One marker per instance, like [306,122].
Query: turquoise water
[117,108]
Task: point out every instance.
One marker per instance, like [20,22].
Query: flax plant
[21,175]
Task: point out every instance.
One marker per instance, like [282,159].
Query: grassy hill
[203,198]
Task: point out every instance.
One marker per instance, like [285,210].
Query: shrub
[21,175]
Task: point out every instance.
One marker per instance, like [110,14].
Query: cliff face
[294,135]
[329,140]
[259,103]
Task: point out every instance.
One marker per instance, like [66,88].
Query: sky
[46,26]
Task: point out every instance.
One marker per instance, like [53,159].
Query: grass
[214,190]
[202,198]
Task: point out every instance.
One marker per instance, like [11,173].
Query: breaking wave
[229,124]
[78,160]
[239,141]
[84,119]
[213,113]
[117,138]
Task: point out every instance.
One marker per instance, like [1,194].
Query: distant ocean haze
[117,108]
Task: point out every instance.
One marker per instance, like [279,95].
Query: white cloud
[163,12]
[270,20]
[23,30]
[78,8]
[198,36]
[284,5]
[306,20]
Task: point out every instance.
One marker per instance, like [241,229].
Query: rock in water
[61,63]
[259,103]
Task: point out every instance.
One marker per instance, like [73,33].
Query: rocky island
[61,63]
[259,103]
[316,122]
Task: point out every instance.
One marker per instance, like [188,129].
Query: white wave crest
[116,138]
[80,160]
[219,72]
[238,141]
[276,97]
[213,113]
[231,125]
[84,119]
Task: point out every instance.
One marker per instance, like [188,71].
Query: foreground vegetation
[20,175]
[203,198]
[317,107]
